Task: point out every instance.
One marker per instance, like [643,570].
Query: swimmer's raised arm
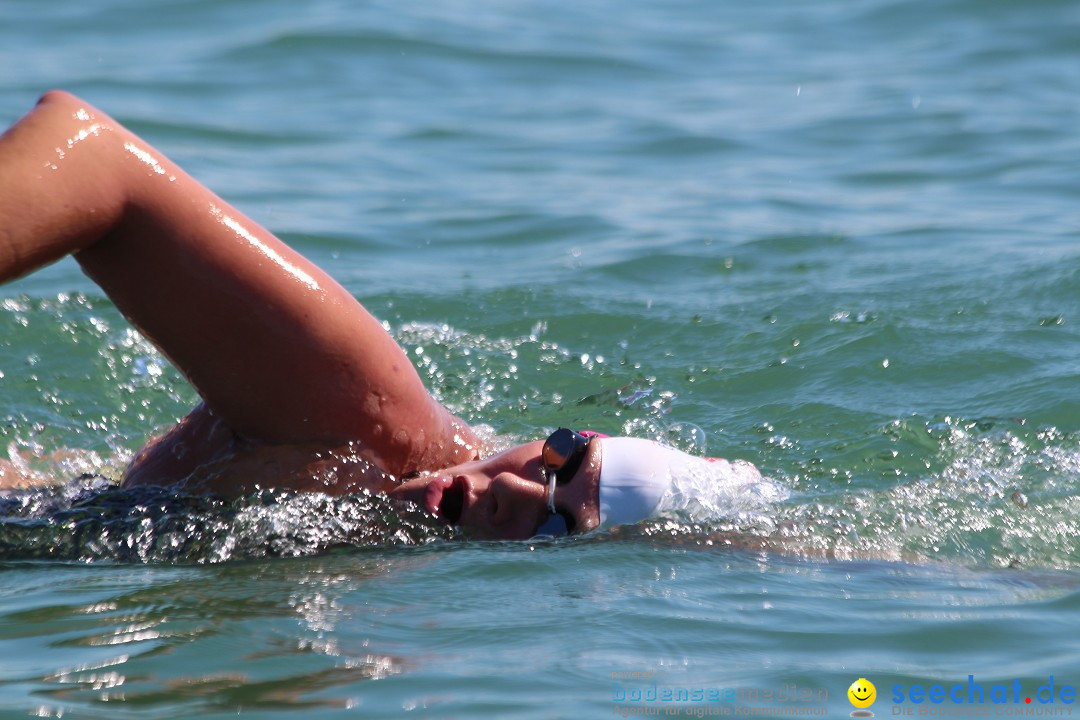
[277,349]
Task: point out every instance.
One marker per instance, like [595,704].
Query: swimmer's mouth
[453,502]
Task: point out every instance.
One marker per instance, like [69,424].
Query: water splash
[992,493]
[92,519]
[735,492]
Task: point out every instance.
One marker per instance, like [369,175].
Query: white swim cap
[634,476]
[641,478]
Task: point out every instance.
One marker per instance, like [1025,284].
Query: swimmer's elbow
[56,97]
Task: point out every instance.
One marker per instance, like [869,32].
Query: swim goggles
[560,460]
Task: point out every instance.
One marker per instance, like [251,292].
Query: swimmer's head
[569,483]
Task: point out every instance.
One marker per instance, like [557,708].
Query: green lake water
[840,240]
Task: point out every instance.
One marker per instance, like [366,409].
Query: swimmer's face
[505,496]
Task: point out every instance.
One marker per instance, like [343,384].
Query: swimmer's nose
[514,501]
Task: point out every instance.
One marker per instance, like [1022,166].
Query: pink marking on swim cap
[592,434]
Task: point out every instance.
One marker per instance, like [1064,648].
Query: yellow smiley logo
[862,693]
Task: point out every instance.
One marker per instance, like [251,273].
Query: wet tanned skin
[299,382]
[504,496]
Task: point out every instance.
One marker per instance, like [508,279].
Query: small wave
[383,42]
[207,132]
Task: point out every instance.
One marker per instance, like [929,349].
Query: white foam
[719,489]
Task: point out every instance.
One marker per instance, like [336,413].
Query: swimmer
[301,387]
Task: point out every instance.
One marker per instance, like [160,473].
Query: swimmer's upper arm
[273,344]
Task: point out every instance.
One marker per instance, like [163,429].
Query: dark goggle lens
[561,457]
[563,453]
